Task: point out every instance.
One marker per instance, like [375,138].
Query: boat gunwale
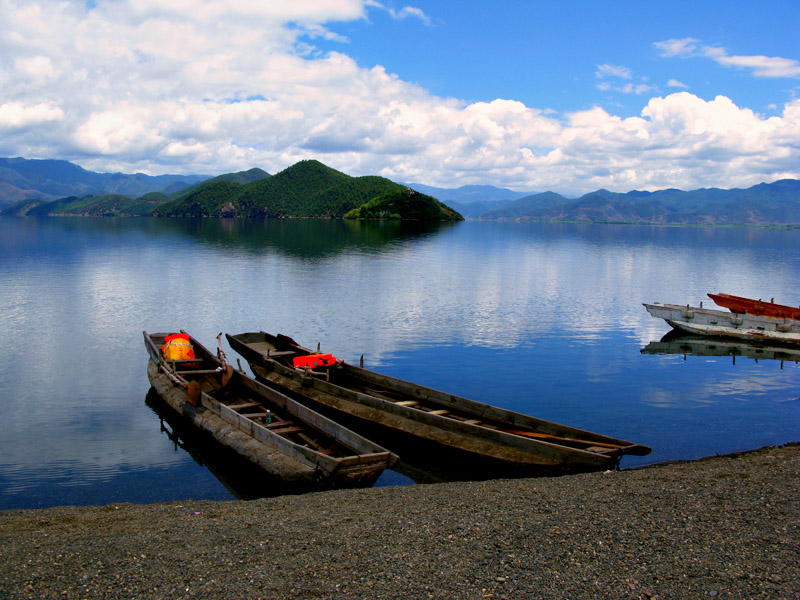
[761,307]
[520,442]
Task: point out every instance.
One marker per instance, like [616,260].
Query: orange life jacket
[312,361]
[177,347]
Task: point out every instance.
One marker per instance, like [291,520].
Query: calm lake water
[545,319]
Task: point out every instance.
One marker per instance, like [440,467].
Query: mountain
[471,200]
[22,179]
[525,206]
[775,203]
[407,205]
[107,205]
[469,194]
[307,189]
[241,177]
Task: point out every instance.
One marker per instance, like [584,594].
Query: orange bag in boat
[312,361]
[177,347]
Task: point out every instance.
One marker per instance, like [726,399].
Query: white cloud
[17,115]
[760,66]
[410,11]
[677,47]
[677,84]
[404,13]
[615,71]
[199,86]
[607,70]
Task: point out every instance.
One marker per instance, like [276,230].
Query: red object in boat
[756,307]
[312,361]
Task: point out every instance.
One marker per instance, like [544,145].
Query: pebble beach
[721,527]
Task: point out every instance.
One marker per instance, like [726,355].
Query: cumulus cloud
[15,115]
[206,86]
[760,66]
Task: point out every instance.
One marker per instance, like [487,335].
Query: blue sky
[548,54]
[565,96]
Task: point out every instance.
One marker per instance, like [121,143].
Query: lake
[545,319]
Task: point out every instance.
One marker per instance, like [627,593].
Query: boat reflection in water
[246,481]
[677,342]
[243,479]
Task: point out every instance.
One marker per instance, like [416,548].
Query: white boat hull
[704,321]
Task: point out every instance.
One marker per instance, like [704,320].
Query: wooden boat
[740,304]
[283,437]
[705,321]
[520,444]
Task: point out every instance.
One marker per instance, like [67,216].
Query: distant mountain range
[471,200]
[24,179]
[307,189]
[310,189]
[775,203]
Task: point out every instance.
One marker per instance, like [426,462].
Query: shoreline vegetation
[310,189]
[719,527]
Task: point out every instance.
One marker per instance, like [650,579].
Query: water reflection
[240,477]
[306,238]
[299,238]
[675,342]
[544,319]
[421,461]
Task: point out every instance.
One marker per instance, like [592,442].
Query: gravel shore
[722,527]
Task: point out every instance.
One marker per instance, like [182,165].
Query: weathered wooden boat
[740,304]
[283,437]
[705,321]
[676,341]
[516,443]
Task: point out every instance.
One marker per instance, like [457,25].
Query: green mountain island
[404,204]
[307,189]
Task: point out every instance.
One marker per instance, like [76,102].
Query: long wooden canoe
[518,442]
[740,304]
[283,437]
[704,321]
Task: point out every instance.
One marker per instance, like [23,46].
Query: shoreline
[725,526]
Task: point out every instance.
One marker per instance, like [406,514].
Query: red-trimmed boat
[758,308]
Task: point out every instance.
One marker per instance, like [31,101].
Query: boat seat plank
[277,424]
[407,403]
[310,441]
[243,406]
[279,353]
[441,411]
[198,372]
[286,430]
[258,415]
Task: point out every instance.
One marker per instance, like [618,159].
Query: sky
[568,96]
